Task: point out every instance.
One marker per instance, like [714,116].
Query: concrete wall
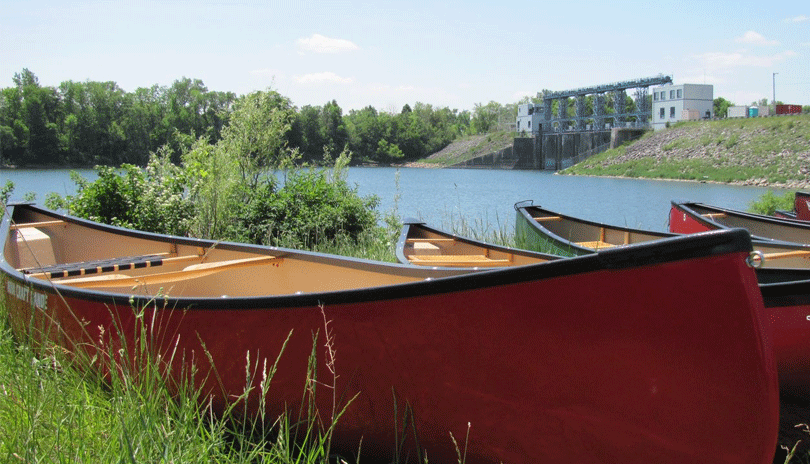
[553,151]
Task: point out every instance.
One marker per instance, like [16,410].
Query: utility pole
[774,88]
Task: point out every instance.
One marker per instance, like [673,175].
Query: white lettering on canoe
[26,294]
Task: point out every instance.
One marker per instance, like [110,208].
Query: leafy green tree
[720,107]
[307,129]
[257,134]
[334,129]
[91,131]
[31,114]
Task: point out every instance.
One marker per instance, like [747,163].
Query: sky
[386,54]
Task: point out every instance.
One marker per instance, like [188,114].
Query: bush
[150,199]
[312,208]
[769,202]
[307,211]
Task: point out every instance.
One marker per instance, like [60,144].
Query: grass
[55,408]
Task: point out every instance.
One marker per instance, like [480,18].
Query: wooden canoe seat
[547,218]
[189,272]
[596,244]
[430,240]
[38,224]
[714,215]
[457,260]
[101,266]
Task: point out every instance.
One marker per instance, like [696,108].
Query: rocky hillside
[771,151]
[464,149]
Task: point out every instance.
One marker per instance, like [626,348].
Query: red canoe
[648,353]
[690,217]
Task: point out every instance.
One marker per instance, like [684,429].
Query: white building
[673,103]
[529,118]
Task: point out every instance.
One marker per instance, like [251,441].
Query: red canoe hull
[626,379]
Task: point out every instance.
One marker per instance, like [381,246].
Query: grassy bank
[771,151]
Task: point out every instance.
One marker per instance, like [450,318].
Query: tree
[257,134]
[720,107]
[334,130]
[36,122]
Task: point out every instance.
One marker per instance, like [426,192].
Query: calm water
[485,198]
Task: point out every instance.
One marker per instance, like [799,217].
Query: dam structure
[572,125]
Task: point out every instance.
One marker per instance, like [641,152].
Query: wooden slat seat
[189,272]
[58,271]
[38,224]
[714,215]
[457,260]
[596,244]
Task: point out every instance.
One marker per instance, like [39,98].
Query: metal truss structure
[592,112]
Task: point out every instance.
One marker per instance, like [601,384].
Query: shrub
[769,202]
[307,211]
[150,199]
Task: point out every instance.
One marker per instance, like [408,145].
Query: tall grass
[56,408]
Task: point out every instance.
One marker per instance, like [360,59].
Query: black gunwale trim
[656,252]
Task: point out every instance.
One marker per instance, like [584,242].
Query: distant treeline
[97,123]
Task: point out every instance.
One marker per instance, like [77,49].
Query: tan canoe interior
[431,249]
[186,271]
[589,235]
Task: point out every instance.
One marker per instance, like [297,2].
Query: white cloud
[323,77]
[721,60]
[751,37]
[320,44]
[797,19]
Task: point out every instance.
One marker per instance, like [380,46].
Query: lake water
[482,198]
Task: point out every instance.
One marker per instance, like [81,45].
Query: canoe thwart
[457,260]
[788,254]
[596,244]
[38,224]
[430,240]
[714,215]
[547,218]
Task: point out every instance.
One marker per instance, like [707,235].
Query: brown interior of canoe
[591,236]
[427,248]
[798,233]
[38,244]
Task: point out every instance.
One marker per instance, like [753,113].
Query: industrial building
[673,103]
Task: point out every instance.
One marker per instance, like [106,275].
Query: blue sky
[387,54]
